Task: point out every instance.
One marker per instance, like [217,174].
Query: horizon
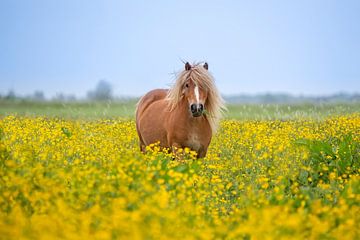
[226,96]
[300,48]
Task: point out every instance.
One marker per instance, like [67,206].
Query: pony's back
[148,99]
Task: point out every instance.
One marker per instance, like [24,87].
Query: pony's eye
[187,85]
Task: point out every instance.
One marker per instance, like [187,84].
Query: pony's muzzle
[197,109]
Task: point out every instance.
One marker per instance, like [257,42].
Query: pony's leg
[141,141]
[202,152]
[142,147]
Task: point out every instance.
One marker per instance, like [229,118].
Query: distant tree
[38,95]
[70,98]
[61,97]
[103,91]
[10,95]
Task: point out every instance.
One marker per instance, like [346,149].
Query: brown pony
[184,116]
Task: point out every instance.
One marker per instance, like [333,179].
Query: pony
[186,115]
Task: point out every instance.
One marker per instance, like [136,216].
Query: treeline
[104,91]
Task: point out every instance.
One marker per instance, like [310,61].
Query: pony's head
[196,86]
[194,93]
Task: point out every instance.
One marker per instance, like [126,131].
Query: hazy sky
[300,47]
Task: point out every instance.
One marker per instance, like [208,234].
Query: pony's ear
[187,66]
[206,66]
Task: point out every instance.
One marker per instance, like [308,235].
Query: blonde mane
[214,104]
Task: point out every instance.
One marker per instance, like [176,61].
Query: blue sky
[298,47]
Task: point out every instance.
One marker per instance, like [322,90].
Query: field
[126,109]
[74,171]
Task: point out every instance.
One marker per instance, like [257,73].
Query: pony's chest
[194,141]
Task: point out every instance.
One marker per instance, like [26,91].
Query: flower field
[261,179]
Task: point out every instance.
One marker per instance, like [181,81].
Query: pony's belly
[153,134]
[152,123]
[153,131]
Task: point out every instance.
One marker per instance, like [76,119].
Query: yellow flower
[71,179]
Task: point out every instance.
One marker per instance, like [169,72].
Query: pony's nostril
[193,108]
[201,107]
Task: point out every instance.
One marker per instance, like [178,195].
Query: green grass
[87,110]
[292,111]
[126,109]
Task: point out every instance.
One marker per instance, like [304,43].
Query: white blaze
[196,90]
